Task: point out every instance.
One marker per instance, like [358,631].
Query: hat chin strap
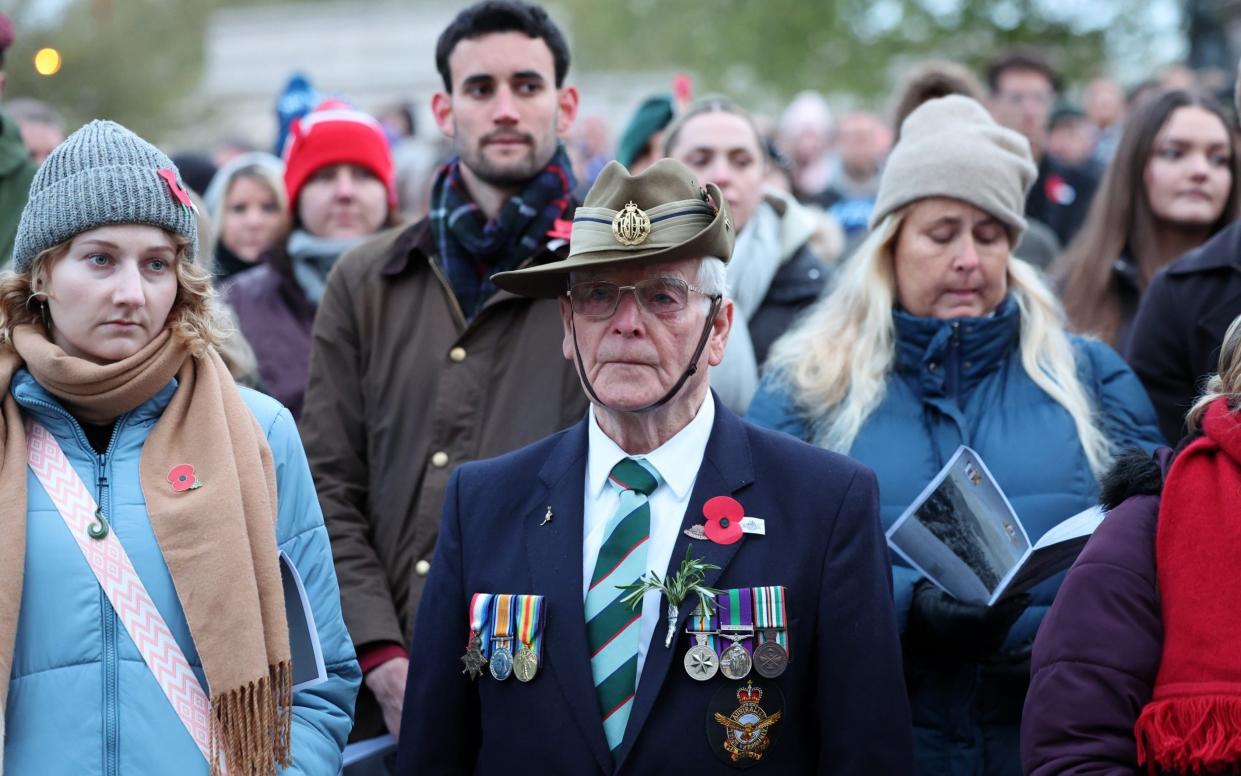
[689,370]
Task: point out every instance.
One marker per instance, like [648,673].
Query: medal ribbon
[502,621]
[701,620]
[770,612]
[530,613]
[736,608]
[480,616]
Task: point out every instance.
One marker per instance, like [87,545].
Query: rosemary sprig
[688,579]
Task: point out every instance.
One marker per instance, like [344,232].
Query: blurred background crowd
[273,112]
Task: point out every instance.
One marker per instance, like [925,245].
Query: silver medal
[700,661]
[501,661]
[735,662]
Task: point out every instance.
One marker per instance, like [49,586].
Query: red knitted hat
[335,133]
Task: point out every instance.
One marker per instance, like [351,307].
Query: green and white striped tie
[611,626]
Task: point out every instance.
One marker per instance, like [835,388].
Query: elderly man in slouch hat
[556,629]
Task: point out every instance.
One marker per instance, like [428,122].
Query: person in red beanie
[1136,669]
[341,187]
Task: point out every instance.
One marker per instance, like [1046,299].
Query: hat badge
[631,226]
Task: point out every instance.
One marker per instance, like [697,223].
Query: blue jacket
[81,700]
[843,712]
[958,382]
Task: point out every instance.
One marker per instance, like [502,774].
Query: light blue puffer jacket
[81,700]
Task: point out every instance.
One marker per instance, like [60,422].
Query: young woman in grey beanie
[936,337]
[150,505]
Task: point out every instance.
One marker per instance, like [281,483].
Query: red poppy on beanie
[335,133]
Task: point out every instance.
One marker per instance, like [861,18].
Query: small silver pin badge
[547,518]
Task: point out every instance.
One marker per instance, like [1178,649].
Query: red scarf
[1193,722]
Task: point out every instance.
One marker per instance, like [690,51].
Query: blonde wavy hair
[836,361]
[1226,382]
[192,319]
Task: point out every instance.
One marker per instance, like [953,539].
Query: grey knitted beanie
[951,147]
[102,175]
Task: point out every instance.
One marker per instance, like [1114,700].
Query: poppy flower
[183,478]
[723,519]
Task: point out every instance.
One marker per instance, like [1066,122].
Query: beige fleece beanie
[951,147]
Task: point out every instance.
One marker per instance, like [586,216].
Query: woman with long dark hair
[1171,185]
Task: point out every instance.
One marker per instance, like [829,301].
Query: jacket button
[439,459]
[932,366]
[422,568]
[456,355]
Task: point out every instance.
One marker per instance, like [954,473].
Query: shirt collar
[676,460]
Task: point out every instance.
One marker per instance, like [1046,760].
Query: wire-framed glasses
[658,296]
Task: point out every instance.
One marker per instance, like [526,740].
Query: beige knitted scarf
[218,540]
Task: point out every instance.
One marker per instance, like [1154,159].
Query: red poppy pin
[178,191]
[182,478]
[726,522]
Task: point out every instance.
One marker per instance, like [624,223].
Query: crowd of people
[327,425]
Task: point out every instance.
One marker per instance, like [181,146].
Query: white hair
[807,110]
[837,361]
[713,276]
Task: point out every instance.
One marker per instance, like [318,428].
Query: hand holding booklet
[963,535]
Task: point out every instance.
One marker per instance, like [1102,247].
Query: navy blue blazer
[845,709]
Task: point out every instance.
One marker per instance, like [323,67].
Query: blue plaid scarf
[472,249]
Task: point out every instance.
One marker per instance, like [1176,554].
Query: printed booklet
[964,536]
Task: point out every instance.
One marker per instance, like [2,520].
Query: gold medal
[525,664]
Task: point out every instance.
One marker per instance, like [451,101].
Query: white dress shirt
[677,462]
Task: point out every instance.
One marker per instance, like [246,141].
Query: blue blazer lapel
[726,469]
[554,550]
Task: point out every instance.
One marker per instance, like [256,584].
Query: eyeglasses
[658,296]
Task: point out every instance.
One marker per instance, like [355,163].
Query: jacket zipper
[111,687]
[107,615]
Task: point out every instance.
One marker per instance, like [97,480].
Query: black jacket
[796,285]
[1175,340]
[1061,196]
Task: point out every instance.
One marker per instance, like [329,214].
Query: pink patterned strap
[119,580]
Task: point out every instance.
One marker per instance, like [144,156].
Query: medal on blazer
[741,737]
[530,614]
[475,657]
[736,625]
[502,638]
[701,660]
[771,655]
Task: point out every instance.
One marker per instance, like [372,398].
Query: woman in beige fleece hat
[934,338]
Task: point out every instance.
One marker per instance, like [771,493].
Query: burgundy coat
[276,318]
[1097,652]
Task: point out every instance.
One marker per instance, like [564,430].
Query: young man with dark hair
[419,364]
[1024,87]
